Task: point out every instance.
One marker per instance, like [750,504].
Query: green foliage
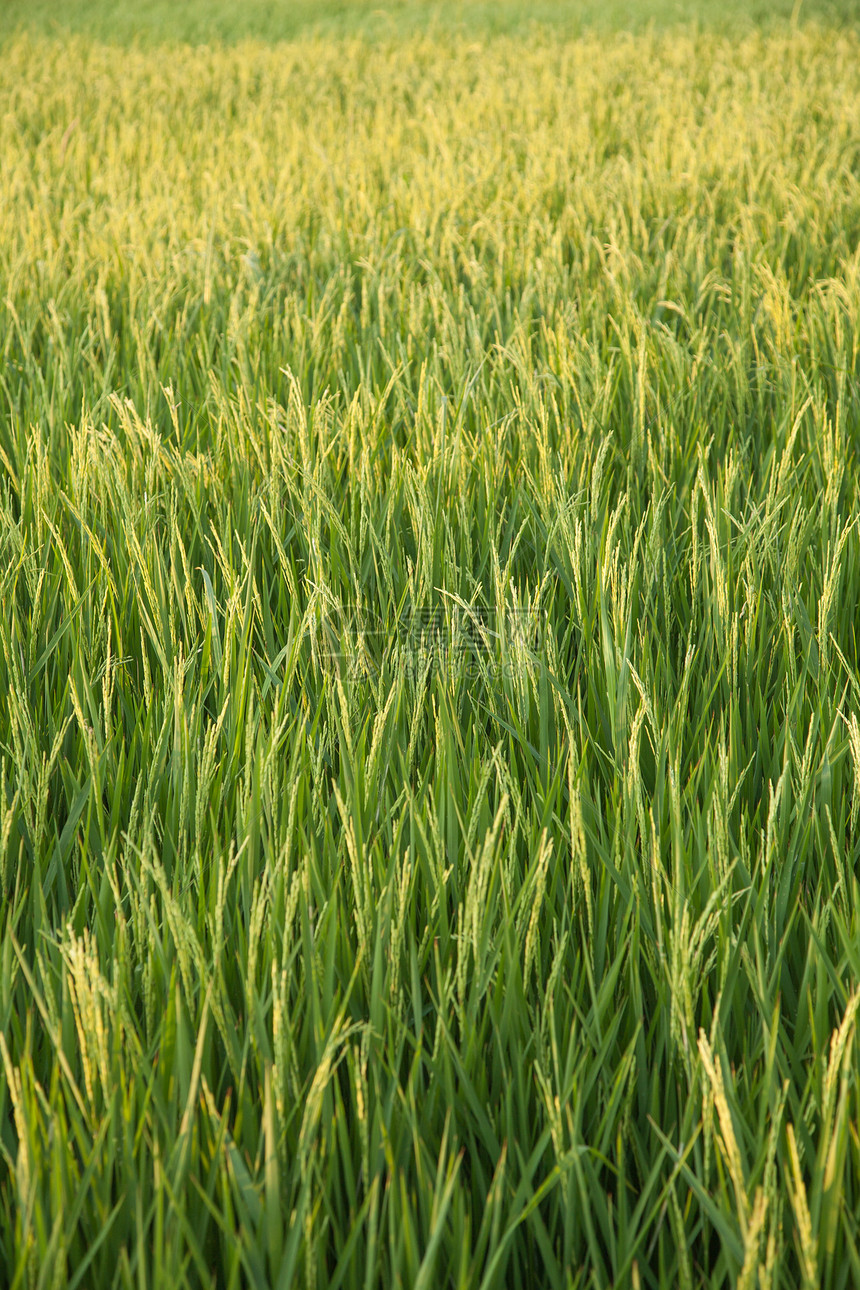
[155,21]
[322,963]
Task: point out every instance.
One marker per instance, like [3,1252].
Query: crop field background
[429,672]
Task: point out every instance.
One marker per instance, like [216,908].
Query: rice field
[429,661]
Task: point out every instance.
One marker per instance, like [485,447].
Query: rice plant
[430,718]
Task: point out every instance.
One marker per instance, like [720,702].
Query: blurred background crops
[160,21]
[337,957]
